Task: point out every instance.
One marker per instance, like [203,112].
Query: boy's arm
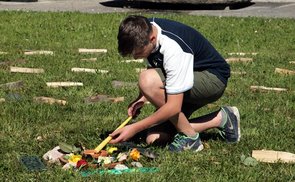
[168,110]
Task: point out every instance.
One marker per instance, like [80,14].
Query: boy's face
[143,52]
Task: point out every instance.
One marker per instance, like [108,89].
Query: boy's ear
[153,38]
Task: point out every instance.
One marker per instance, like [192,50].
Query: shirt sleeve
[178,66]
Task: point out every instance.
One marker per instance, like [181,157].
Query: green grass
[267,118]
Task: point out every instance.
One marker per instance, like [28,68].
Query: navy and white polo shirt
[180,51]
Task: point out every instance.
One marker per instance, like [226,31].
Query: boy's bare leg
[152,88]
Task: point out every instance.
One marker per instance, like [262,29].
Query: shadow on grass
[174,6]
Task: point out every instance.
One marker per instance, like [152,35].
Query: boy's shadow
[174,6]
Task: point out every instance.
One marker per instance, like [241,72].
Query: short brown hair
[134,32]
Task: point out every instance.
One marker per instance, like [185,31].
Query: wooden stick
[234,60]
[83,50]
[26,70]
[50,100]
[292,62]
[88,70]
[133,60]
[242,53]
[2,100]
[263,88]
[63,84]
[89,59]
[284,71]
[272,156]
[109,138]
[117,99]
[1,53]
[38,52]
[238,72]
[103,98]
[139,70]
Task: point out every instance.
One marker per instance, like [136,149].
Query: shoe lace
[178,140]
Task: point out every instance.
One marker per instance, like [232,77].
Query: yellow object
[108,139]
[74,158]
[135,154]
[112,149]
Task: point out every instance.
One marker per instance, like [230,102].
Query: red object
[81,163]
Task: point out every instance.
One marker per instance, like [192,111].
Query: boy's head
[134,37]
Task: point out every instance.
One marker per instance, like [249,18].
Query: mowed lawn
[28,127]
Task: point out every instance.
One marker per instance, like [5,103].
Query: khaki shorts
[207,89]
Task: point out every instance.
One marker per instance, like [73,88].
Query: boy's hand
[123,134]
[134,109]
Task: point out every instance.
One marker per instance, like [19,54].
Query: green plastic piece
[87,173]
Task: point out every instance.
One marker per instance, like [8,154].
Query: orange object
[135,154]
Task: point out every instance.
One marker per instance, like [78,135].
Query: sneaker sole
[237,114]
[201,147]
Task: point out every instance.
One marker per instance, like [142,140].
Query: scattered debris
[88,70]
[83,50]
[272,156]
[38,52]
[249,161]
[242,53]
[49,100]
[53,156]
[119,84]
[284,71]
[39,139]
[63,84]
[26,70]
[234,60]
[103,98]
[89,59]
[12,85]
[87,162]
[133,60]
[263,88]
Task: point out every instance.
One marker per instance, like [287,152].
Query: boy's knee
[151,138]
[158,139]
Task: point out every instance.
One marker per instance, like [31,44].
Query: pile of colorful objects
[112,160]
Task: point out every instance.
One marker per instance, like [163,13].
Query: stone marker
[12,85]
[49,100]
